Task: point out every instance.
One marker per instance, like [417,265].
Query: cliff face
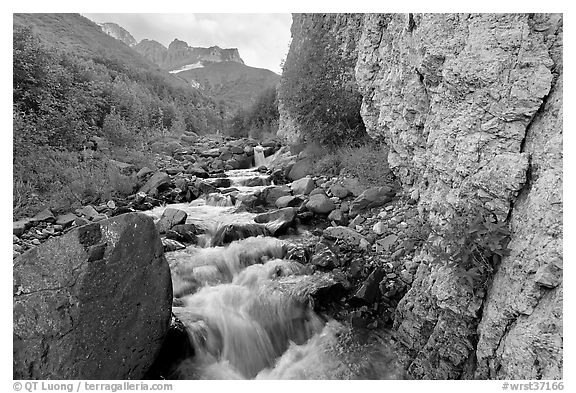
[118,32]
[179,54]
[471,109]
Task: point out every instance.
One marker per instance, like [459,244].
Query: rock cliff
[118,32]
[470,106]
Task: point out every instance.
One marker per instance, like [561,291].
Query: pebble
[35,242]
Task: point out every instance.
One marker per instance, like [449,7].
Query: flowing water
[250,314]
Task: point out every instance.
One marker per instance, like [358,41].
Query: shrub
[259,120]
[318,88]
[472,242]
[368,163]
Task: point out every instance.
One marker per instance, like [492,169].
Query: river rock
[142,173]
[183,233]
[271,194]
[94,303]
[20,226]
[373,197]
[278,220]
[169,218]
[288,201]
[88,212]
[45,215]
[345,234]
[302,186]
[369,290]
[157,182]
[174,170]
[197,171]
[172,245]
[338,190]
[300,169]
[320,203]
[325,256]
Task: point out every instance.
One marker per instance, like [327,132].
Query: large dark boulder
[94,303]
[158,182]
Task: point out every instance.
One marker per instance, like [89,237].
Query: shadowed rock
[92,304]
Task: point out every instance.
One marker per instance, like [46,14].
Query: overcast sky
[262,39]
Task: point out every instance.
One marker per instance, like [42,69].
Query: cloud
[262,39]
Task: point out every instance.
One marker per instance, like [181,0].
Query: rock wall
[470,106]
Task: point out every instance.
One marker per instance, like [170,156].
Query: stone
[386,243]
[94,303]
[302,186]
[300,169]
[320,204]
[174,170]
[548,276]
[317,191]
[197,171]
[88,212]
[186,233]
[379,228]
[335,215]
[353,186]
[45,215]
[288,201]
[345,234]
[172,245]
[373,197]
[277,220]
[157,182]
[324,256]
[338,190]
[142,173]
[369,291]
[20,226]
[169,218]
[271,194]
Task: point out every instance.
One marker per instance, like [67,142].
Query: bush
[318,88]
[472,242]
[367,162]
[259,120]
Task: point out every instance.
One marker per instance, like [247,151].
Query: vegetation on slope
[318,89]
[61,99]
[259,120]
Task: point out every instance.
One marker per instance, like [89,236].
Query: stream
[250,312]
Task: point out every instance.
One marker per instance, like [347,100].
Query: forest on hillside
[63,100]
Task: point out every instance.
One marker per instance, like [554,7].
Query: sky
[262,39]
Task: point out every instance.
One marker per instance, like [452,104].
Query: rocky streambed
[266,280]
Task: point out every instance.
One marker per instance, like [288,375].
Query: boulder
[325,256]
[271,194]
[169,218]
[373,197]
[142,173]
[197,171]
[94,303]
[174,170]
[20,226]
[232,232]
[288,201]
[353,186]
[302,186]
[338,190]
[300,169]
[183,233]
[277,221]
[158,181]
[320,204]
[369,291]
[88,212]
[45,215]
[172,245]
[345,234]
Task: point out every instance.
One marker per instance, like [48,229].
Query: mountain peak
[118,32]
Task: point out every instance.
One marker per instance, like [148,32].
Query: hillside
[75,87]
[118,32]
[236,84]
